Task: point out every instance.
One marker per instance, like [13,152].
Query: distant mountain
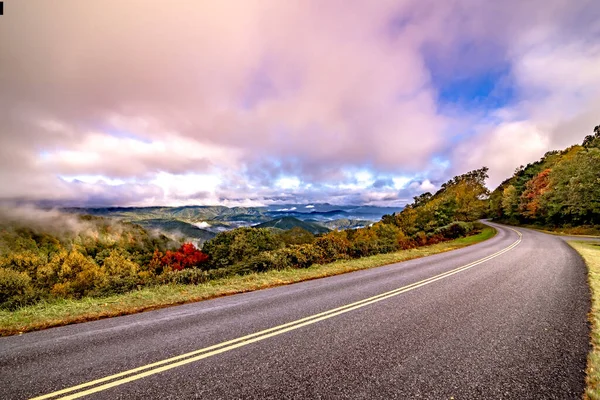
[344,223]
[200,221]
[322,215]
[328,212]
[286,223]
[187,213]
[177,228]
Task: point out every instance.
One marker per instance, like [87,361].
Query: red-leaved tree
[187,256]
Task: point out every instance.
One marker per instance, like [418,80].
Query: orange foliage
[534,189]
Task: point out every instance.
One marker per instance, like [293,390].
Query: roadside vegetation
[57,312]
[591,254]
[47,256]
[560,192]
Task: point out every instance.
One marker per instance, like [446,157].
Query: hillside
[177,229]
[187,213]
[461,199]
[286,223]
[560,189]
[200,223]
[344,223]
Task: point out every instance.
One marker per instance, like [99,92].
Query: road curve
[510,326]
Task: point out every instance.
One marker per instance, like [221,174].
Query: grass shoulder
[590,252]
[583,231]
[63,312]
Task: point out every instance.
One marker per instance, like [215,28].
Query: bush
[266,261]
[188,256]
[364,242]
[300,256]
[187,277]
[15,289]
[390,238]
[26,261]
[122,274]
[79,276]
[238,245]
[420,238]
[334,246]
[454,230]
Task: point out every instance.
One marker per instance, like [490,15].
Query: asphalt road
[511,327]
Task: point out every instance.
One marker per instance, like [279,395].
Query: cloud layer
[185,102]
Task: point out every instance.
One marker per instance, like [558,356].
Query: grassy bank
[583,231]
[63,312]
[591,254]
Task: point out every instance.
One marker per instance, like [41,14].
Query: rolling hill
[286,223]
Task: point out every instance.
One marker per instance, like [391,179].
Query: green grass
[591,254]
[63,312]
[583,231]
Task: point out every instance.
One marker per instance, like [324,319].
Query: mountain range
[201,223]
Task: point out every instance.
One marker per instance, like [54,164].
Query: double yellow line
[187,358]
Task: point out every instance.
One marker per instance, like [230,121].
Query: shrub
[15,289]
[122,274]
[79,276]
[190,276]
[265,261]
[364,242]
[238,245]
[454,230]
[188,256]
[389,237]
[47,275]
[26,261]
[420,238]
[334,246]
[300,256]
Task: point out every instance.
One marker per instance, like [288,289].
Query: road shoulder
[590,252]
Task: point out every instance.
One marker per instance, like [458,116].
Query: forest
[562,189]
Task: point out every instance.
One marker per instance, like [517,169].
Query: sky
[143,102]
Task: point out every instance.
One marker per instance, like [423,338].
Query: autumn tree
[532,202]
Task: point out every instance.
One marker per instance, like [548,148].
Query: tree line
[562,189]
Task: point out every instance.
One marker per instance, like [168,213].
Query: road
[509,326]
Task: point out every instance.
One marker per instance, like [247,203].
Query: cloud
[555,70]
[265,101]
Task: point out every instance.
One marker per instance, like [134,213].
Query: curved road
[507,322]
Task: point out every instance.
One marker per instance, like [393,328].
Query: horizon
[307,207]
[268,103]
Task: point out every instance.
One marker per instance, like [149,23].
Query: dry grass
[591,254]
[64,312]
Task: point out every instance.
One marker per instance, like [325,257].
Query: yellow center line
[183,359]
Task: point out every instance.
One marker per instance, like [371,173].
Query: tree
[510,201]
[575,194]
[187,256]
[592,140]
[421,199]
[228,248]
[532,202]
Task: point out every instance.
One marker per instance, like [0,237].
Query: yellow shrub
[15,288]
